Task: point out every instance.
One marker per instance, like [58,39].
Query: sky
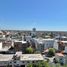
[47,15]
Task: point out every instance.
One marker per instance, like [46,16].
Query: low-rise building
[4,46]
[61,43]
[60,57]
[20,45]
[19,61]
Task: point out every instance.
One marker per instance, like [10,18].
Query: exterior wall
[66,49]
[65,59]
[3,63]
[0,45]
[1,35]
[60,58]
[28,38]
[41,47]
[16,63]
[48,44]
[44,44]
[20,47]
[55,45]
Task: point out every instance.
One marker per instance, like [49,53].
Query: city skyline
[45,15]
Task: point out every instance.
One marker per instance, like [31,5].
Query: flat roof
[60,54]
[28,57]
[6,57]
[23,57]
[4,49]
[43,39]
[60,37]
[49,39]
[64,41]
[23,42]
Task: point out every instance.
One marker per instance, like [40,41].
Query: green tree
[30,65]
[51,52]
[65,65]
[29,50]
[46,64]
[58,65]
[39,64]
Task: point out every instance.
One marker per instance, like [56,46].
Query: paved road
[51,59]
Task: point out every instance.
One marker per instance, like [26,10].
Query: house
[60,57]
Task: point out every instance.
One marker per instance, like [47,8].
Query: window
[32,61]
[14,61]
[22,61]
[27,61]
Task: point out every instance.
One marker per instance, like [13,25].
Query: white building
[55,45]
[44,43]
[48,43]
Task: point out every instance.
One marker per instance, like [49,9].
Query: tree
[29,50]
[39,64]
[51,52]
[45,64]
[30,65]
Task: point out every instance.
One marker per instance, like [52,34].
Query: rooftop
[23,42]
[5,57]
[26,57]
[60,54]
[23,57]
[60,37]
[64,41]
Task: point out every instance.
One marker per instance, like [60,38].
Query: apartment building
[43,44]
